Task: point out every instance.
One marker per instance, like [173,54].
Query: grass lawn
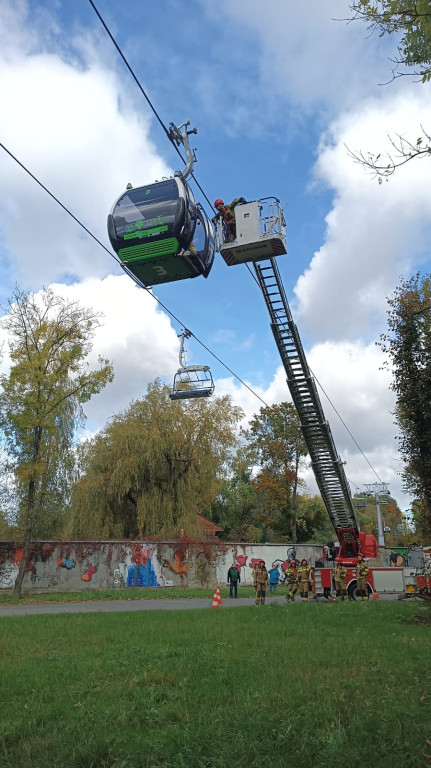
[341,685]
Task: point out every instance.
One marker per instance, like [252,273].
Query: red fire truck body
[401,581]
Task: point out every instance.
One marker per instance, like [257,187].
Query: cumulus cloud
[137,337]
[307,54]
[375,233]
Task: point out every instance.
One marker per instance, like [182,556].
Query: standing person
[304,572]
[362,571]
[261,582]
[340,576]
[233,579]
[274,576]
[292,581]
[227,214]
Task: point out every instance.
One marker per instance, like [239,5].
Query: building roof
[210,528]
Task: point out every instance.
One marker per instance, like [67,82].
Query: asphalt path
[121,606]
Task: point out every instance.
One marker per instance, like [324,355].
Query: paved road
[114,606]
[118,606]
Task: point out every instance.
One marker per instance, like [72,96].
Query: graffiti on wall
[180,565]
[89,573]
[88,565]
[397,557]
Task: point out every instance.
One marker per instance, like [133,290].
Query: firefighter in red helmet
[227,214]
[292,581]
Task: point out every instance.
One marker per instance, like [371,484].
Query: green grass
[127,593]
[344,685]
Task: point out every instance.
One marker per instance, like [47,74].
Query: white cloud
[374,233]
[306,52]
[135,335]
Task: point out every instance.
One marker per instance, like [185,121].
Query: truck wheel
[353,592]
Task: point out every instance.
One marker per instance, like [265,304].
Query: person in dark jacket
[227,214]
[233,579]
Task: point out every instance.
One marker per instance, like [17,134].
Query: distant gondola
[191,381]
[159,231]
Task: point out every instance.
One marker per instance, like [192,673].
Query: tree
[154,467]
[41,404]
[236,505]
[277,443]
[408,346]
[410,22]
[314,525]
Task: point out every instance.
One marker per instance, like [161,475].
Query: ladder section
[327,466]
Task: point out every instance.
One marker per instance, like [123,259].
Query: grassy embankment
[345,685]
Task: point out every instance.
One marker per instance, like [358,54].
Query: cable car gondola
[159,231]
[191,381]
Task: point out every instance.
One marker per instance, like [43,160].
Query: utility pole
[376,489]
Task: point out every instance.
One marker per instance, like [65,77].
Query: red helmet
[218,202]
[292,562]
[360,555]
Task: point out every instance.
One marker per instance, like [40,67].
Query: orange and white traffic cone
[217,601]
[376,596]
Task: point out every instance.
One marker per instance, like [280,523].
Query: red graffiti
[140,555]
[87,576]
[241,560]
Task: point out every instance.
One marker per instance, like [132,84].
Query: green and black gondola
[161,234]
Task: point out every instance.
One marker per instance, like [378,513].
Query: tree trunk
[23,565]
[27,539]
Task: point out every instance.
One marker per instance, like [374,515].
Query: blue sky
[276,95]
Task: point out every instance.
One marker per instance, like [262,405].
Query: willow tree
[41,405]
[154,467]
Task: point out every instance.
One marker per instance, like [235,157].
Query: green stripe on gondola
[149,250]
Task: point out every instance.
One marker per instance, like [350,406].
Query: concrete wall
[64,566]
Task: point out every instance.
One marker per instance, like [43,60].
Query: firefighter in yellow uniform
[304,572]
[361,577]
[291,581]
[260,577]
[340,577]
